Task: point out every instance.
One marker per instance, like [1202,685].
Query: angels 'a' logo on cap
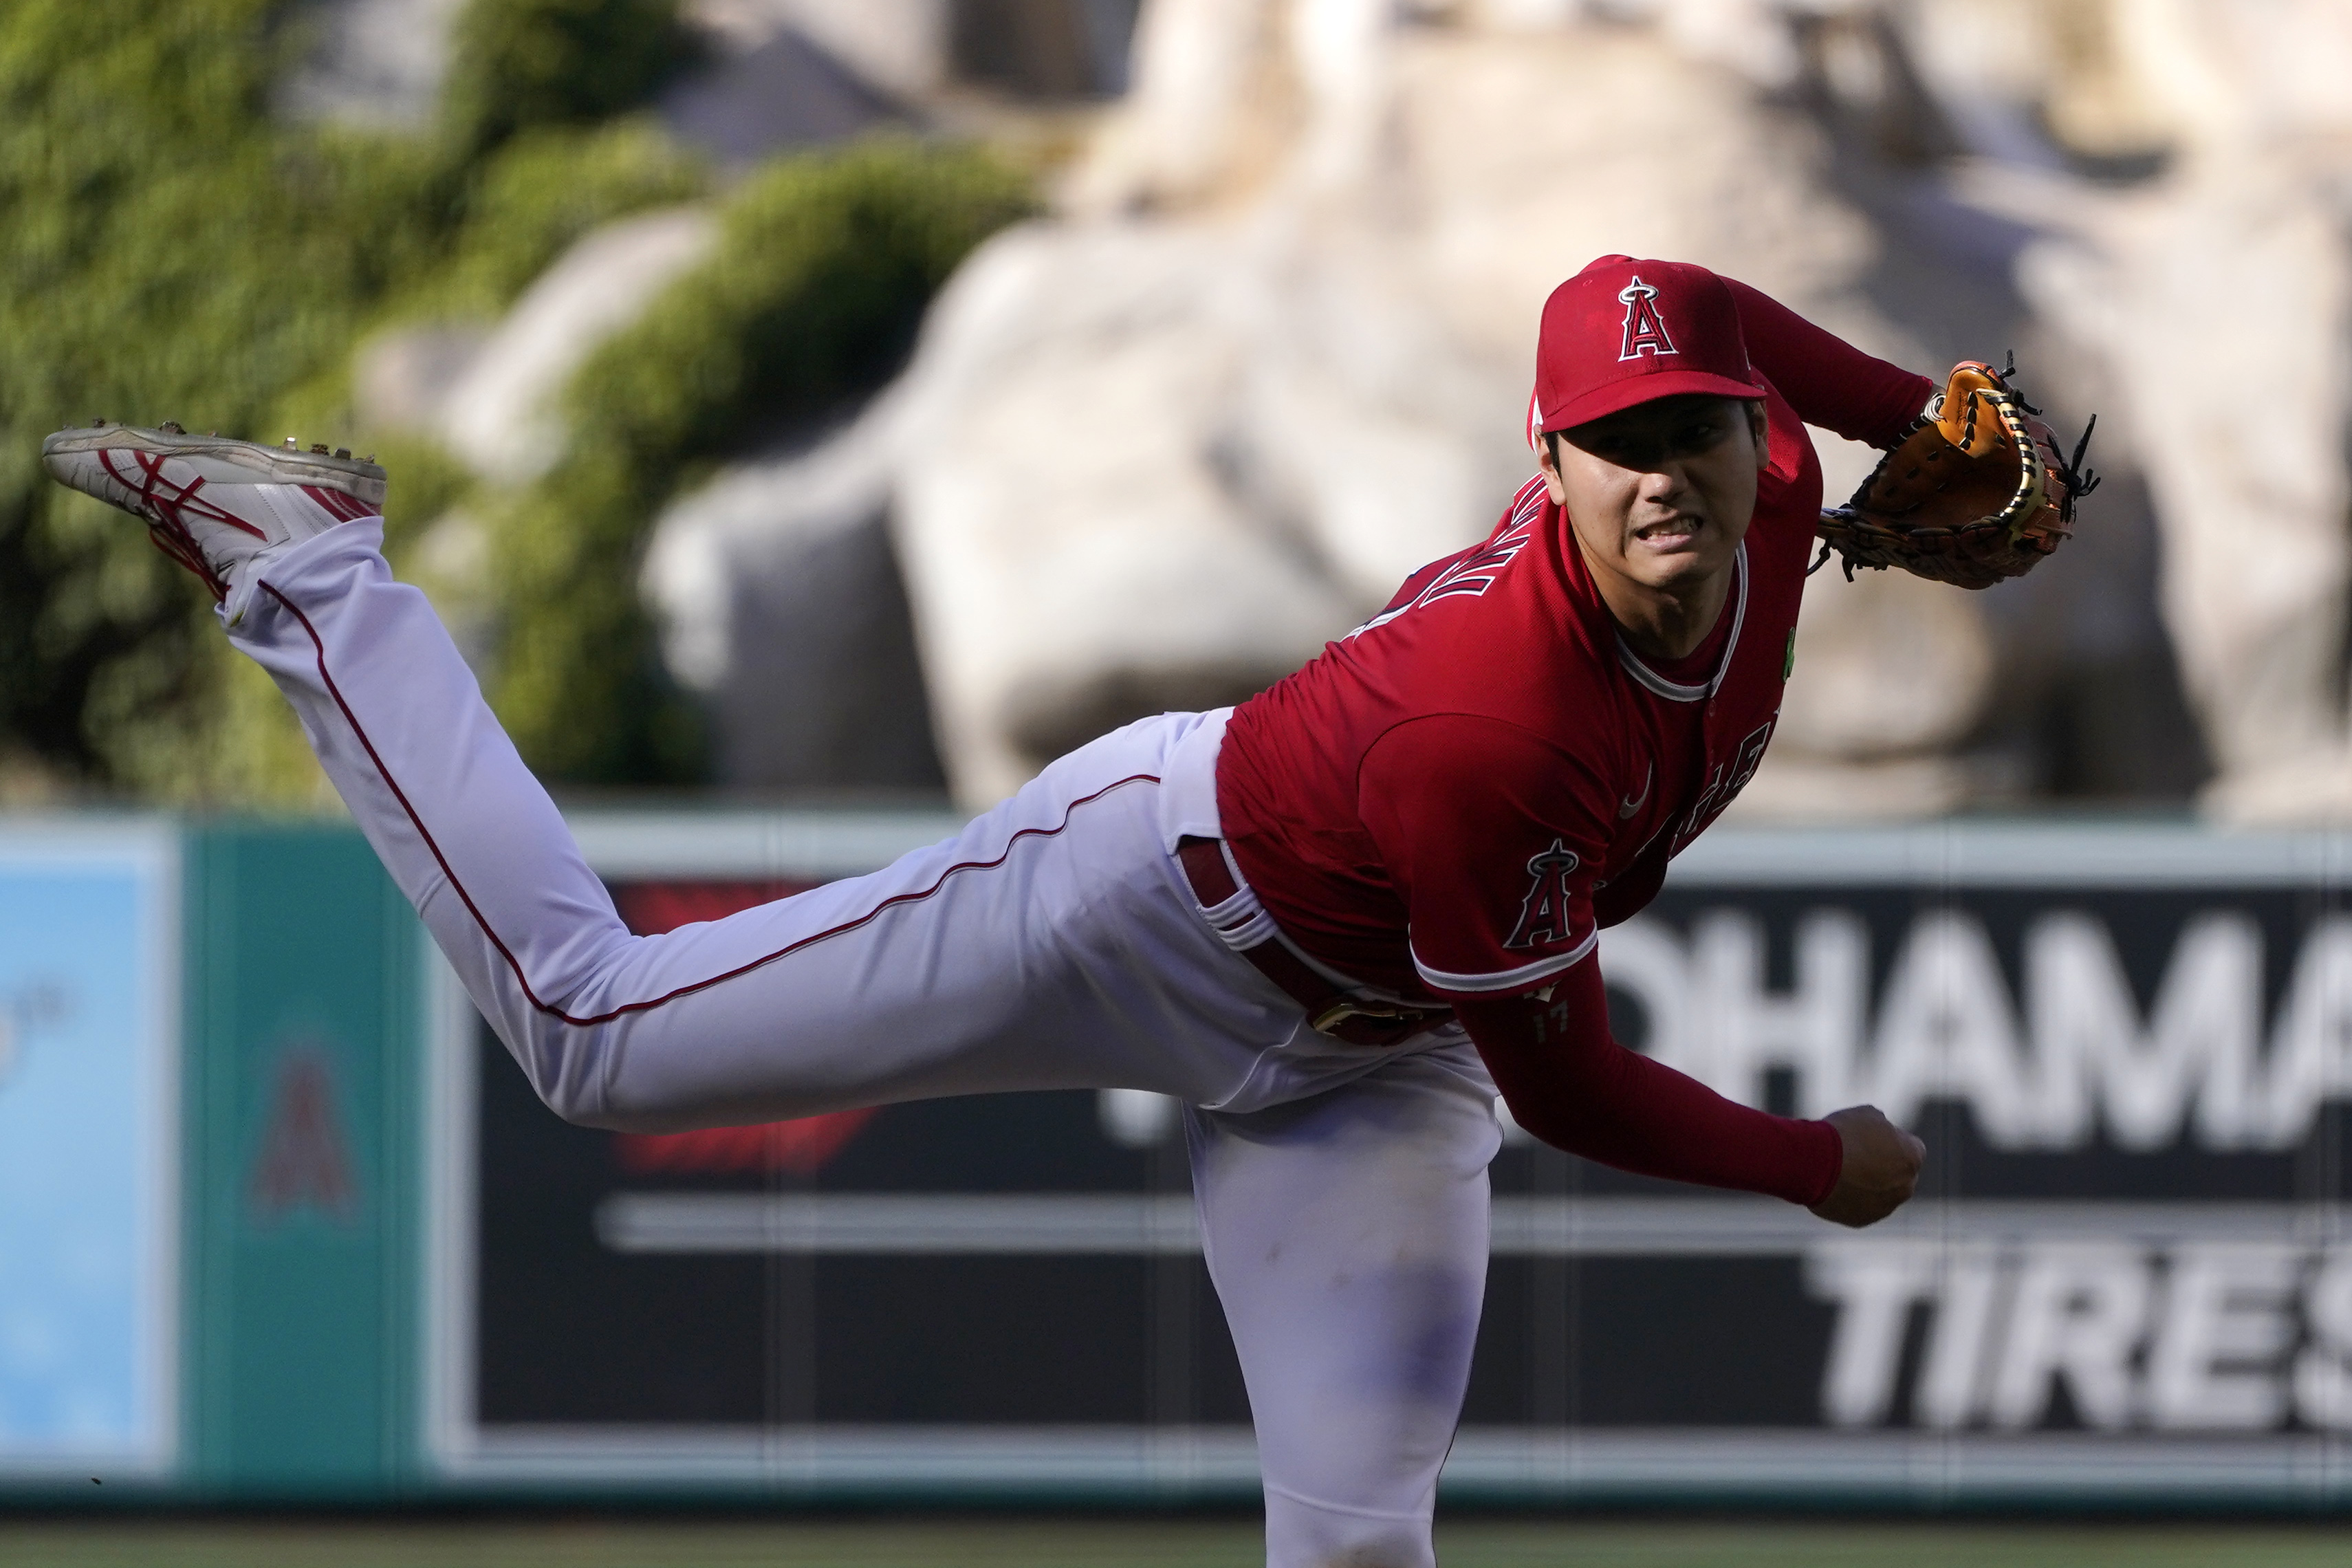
[1645,331]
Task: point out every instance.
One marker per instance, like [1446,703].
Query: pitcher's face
[1659,494]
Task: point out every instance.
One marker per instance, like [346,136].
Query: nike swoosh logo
[1627,808]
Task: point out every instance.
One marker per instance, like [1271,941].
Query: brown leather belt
[1360,1021]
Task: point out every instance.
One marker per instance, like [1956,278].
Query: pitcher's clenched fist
[1880,1169]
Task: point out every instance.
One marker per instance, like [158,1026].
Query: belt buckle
[1340,1011]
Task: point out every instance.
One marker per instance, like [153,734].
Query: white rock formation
[377,63]
[1272,357]
[1275,356]
[780,602]
[2230,273]
[401,379]
[501,416]
[1261,375]
[897,46]
[1075,548]
[2240,283]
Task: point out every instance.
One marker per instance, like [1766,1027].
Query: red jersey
[1451,800]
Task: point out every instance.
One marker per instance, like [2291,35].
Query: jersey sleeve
[1570,1085]
[1828,381]
[1492,837]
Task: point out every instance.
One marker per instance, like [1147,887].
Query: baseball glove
[1976,491]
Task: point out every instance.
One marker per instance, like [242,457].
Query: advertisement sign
[89,1237]
[2127,1275]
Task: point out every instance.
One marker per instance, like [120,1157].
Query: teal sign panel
[303,970]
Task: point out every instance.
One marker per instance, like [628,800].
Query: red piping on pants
[688,990]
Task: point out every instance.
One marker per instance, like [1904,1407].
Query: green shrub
[825,265]
[518,64]
[169,251]
[540,192]
[152,263]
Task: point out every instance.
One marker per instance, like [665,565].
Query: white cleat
[211,503]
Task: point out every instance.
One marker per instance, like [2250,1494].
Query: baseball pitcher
[1335,921]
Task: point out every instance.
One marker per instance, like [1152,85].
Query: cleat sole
[223,460]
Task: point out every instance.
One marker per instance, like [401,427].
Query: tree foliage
[168,249]
[523,63]
[825,265]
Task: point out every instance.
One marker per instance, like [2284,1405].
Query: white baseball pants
[1053,944]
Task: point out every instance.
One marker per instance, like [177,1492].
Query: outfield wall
[279,1221]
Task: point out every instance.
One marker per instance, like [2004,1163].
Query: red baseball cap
[1625,331]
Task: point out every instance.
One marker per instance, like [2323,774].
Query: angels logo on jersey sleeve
[1544,913]
[1554,920]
